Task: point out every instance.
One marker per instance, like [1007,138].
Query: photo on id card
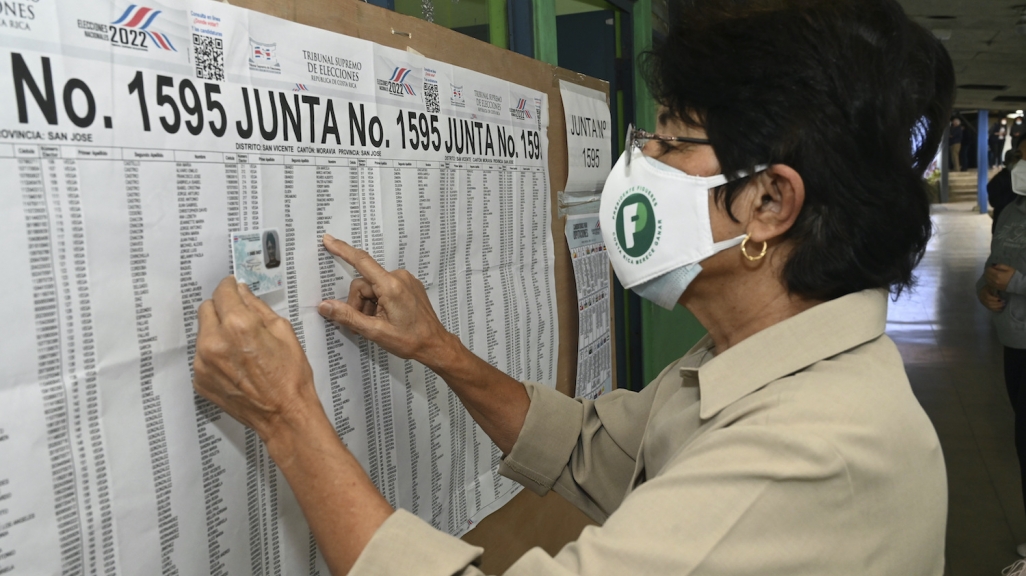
[257,259]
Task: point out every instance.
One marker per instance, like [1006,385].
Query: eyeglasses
[637,138]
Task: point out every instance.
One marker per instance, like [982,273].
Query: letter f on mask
[637,216]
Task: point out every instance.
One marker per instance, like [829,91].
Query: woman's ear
[777,199]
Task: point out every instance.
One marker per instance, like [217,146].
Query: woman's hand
[391,309]
[249,362]
[998,276]
[990,299]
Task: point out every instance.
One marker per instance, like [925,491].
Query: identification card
[257,260]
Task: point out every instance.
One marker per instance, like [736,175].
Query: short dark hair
[852,94]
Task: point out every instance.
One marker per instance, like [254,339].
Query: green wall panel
[666,335]
[498,27]
[644,105]
[545,45]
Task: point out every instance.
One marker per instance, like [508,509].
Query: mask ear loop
[744,243]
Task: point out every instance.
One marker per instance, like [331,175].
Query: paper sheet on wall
[588,139]
[591,271]
[133,139]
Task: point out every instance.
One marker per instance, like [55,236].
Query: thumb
[346,315]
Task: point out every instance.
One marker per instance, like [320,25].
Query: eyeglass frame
[634,135]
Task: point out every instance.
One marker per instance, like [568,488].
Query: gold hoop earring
[744,249]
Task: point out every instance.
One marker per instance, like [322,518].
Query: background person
[996,141]
[996,145]
[1018,130]
[1002,290]
[955,134]
[999,189]
[788,440]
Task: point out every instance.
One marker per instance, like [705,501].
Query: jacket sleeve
[982,281]
[1017,285]
[723,500]
[585,450]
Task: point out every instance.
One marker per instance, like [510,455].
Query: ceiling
[989,56]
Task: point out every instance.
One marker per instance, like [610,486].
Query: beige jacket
[799,451]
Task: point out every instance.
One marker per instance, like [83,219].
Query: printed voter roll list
[137,138]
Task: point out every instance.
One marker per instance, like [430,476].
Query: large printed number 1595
[424,132]
[191,104]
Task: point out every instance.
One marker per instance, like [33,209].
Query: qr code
[431,98]
[209,53]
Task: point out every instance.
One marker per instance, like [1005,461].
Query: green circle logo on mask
[635,225]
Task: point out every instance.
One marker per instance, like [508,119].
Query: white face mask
[1019,178]
[656,226]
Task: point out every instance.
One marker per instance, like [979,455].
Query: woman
[788,441]
[1002,290]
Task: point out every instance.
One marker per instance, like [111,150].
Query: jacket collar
[818,333]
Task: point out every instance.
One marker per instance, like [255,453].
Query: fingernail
[325,308]
[328,237]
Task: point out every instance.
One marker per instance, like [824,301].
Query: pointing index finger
[367,266]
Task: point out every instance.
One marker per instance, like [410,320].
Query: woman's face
[696,160]
[700,160]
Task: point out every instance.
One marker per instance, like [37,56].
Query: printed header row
[158,155]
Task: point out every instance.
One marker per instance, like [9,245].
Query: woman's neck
[733,311]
